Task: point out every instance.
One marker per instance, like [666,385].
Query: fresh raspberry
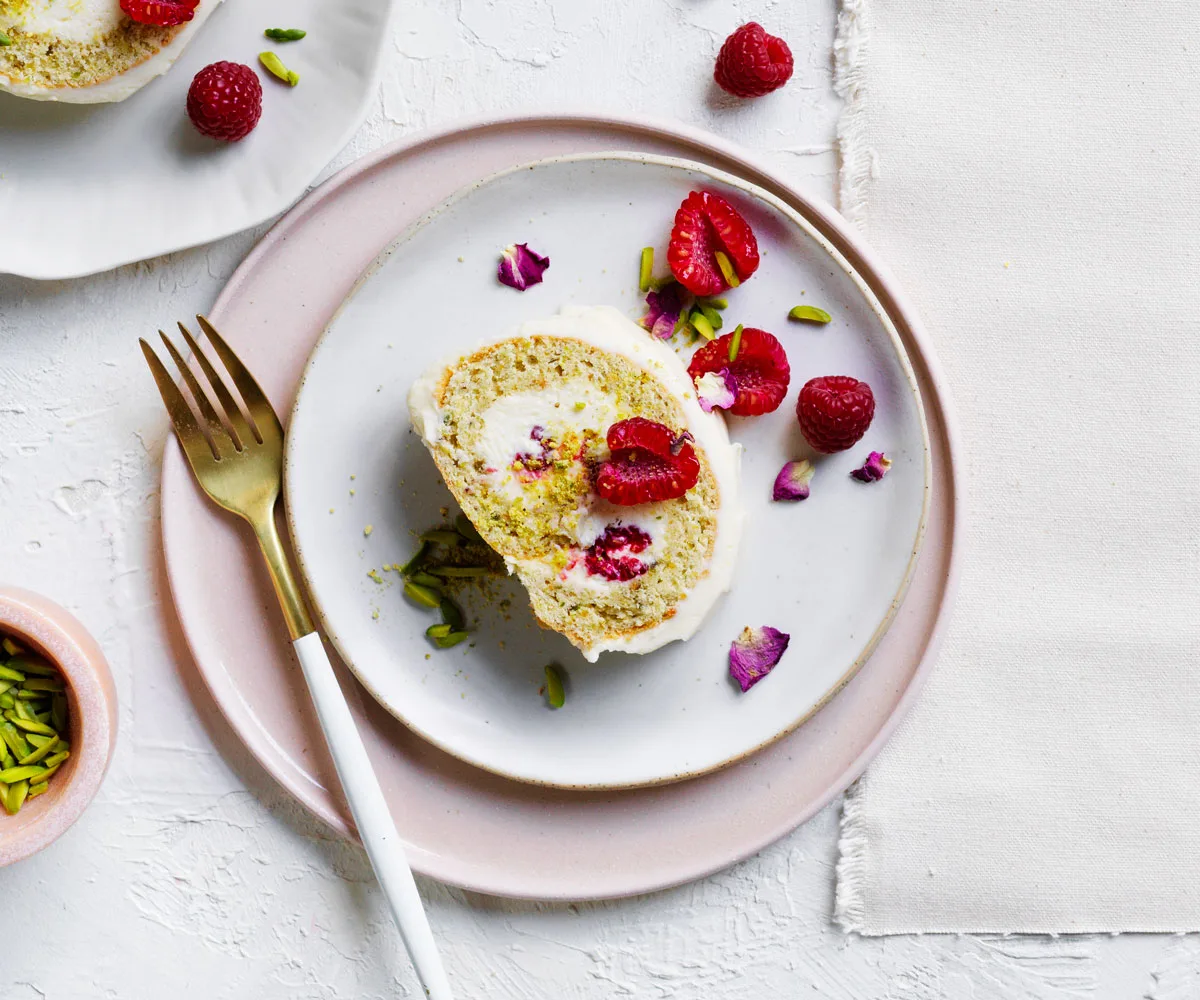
[225,101]
[760,371]
[614,554]
[704,224]
[163,13]
[648,463]
[835,411]
[752,63]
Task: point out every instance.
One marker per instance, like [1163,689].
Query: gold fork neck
[299,622]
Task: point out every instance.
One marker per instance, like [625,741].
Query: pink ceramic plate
[463,825]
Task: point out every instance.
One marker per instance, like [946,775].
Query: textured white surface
[192,876]
[1048,780]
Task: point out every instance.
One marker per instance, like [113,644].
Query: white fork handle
[371,815]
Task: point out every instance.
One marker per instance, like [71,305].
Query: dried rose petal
[754,654]
[520,267]
[663,308]
[792,481]
[716,389]
[874,469]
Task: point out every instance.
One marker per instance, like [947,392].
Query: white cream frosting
[506,433]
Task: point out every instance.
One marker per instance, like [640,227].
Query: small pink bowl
[44,627]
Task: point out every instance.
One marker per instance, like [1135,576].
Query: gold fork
[237,458]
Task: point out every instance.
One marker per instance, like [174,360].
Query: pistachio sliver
[439,631]
[36,790]
[443,535]
[809,314]
[17,794]
[453,639]
[422,595]
[409,567]
[451,615]
[43,684]
[713,317]
[274,65]
[58,712]
[11,775]
[8,674]
[727,269]
[51,764]
[285,34]
[20,710]
[426,580]
[10,646]
[5,39]
[463,525]
[735,344]
[646,270]
[46,775]
[14,740]
[28,665]
[702,325]
[717,302]
[40,754]
[32,726]
[7,701]
[555,694]
[464,572]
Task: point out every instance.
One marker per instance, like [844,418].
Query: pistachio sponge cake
[577,448]
[85,51]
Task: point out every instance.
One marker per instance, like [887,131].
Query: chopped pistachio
[580,407]
[451,615]
[555,694]
[439,631]
[727,270]
[453,639]
[31,725]
[274,65]
[10,646]
[443,536]
[463,525]
[17,794]
[422,595]
[427,580]
[646,273]
[702,325]
[717,302]
[285,34]
[809,314]
[11,775]
[735,344]
[710,314]
[8,674]
[416,560]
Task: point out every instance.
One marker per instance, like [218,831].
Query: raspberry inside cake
[518,429]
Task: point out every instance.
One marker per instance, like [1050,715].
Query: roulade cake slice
[578,449]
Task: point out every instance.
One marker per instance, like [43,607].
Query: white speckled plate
[831,571]
[90,187]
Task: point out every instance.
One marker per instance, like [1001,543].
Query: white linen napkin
[1031,171]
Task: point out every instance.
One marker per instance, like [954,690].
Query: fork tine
[187,429]
[237,421]
[256,400]
[217,435]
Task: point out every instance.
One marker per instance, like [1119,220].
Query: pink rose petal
[754,654]
[874,469]
[716,390]
[663,308]
[520,267]
[792,481]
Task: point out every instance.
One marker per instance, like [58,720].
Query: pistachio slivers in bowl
[33,724]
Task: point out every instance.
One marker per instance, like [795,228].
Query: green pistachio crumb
[274,65]
[367,530]
[809,314]
[555,694]
[702,325]
[646,273]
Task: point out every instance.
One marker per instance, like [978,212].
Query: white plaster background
[193,875]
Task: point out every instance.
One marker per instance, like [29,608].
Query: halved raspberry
[705,224]
[760,370]
[225,101]
[834,412]
[649,462]
[752,63]
[614,554]
[163,13]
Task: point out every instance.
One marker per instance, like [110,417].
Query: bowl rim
[62,638]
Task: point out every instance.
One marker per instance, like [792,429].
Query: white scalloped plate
[830,571]
[90,187]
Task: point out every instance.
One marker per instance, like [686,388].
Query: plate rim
[313,580]
[623,881]
[278,206]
